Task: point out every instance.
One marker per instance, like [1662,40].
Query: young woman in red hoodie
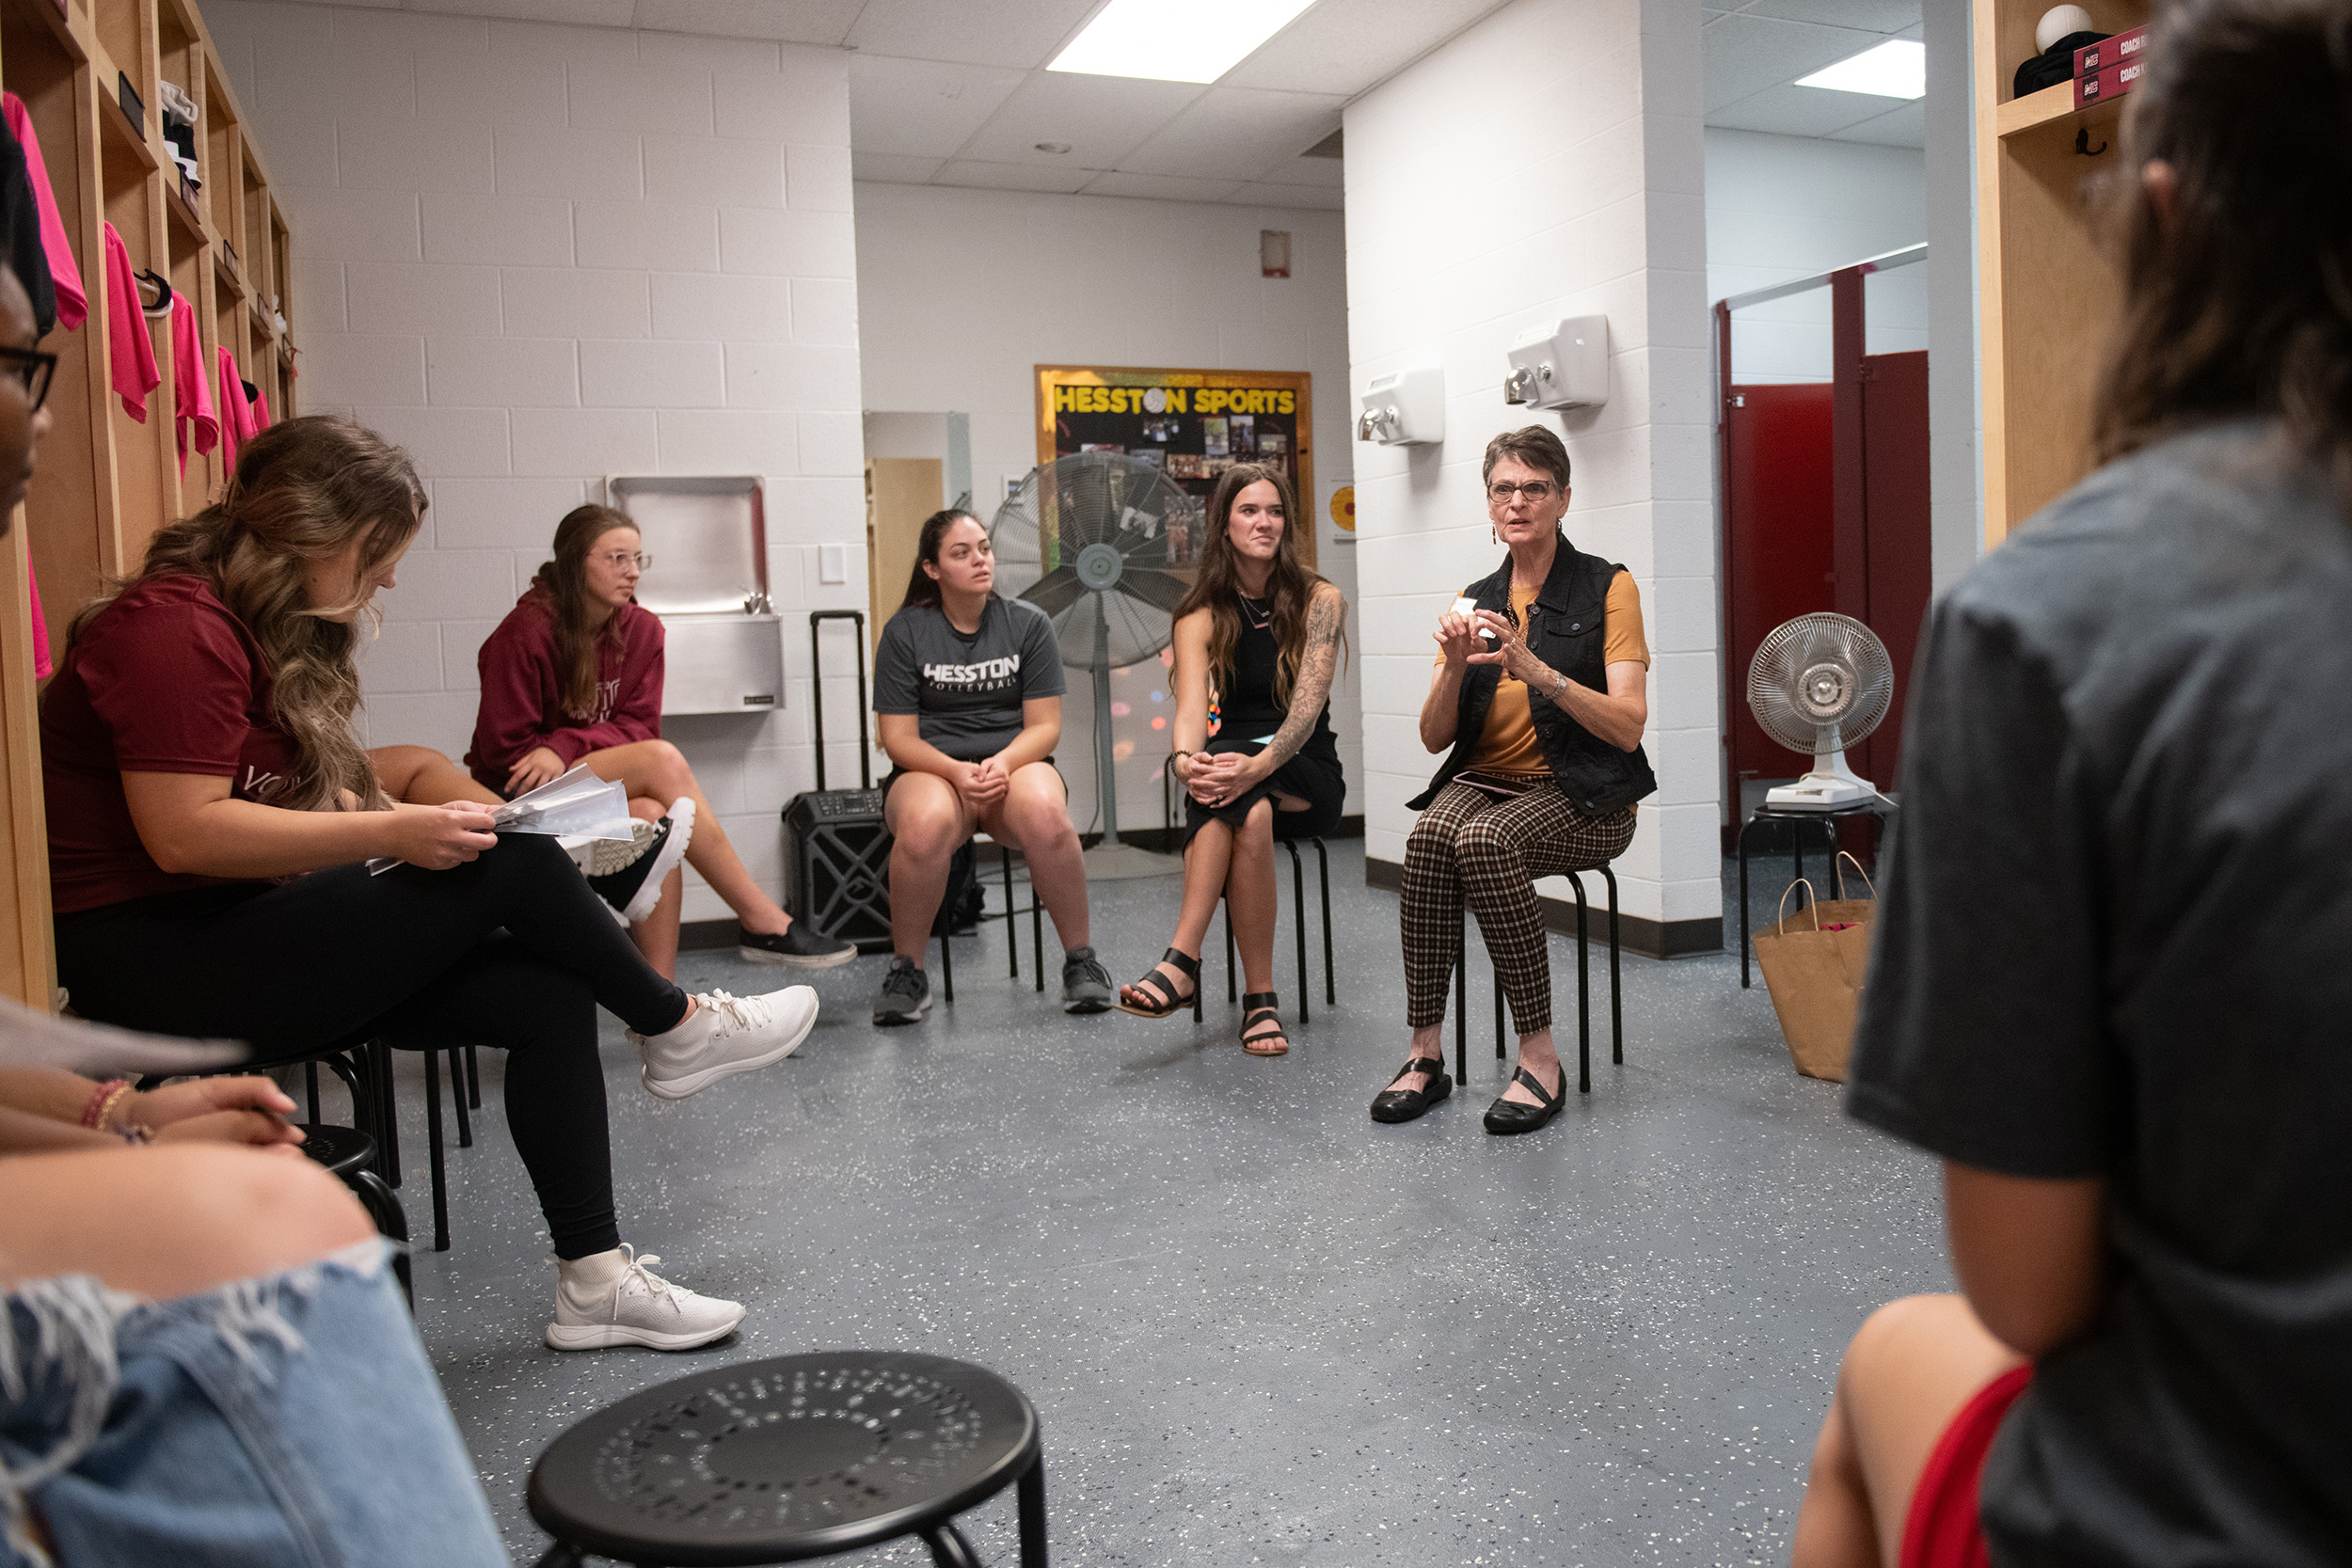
[573,674]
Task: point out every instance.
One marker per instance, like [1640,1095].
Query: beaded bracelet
[102,1102]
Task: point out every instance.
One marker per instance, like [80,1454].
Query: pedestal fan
[1819,684]
[1097,539]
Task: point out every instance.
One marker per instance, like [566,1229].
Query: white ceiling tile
[1906,126]
[1101,118]
[792,21]
[1877,16]
[1160,187]
[1288,195]
[587,13]
[1016,33]
[1346,46]
[1236,133]
[1794,111]
[1011,177]
[922,107]
[1747,54]
[1328,173]
[892,169]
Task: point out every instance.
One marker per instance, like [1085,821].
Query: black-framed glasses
[1536,490]
[619,561]
[33,368]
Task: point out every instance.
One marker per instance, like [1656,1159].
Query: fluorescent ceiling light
[1175,41]
[1896,69]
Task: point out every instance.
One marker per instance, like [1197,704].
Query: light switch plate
[832,563]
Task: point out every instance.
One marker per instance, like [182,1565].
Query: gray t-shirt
[2117,940]
[966,691]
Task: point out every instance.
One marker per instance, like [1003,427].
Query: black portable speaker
[837,852]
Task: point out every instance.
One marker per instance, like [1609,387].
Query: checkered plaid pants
[1468,844]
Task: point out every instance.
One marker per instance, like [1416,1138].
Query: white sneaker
[727,1034]
[613,1298]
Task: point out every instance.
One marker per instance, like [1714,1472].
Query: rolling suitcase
[837,852]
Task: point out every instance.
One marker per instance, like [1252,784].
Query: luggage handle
[816,687]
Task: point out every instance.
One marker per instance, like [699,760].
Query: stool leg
[1032,1498]
[1298,923]
[1322,867]
[311,1084]
[1037,934]
[1496,976]
[1616,1000]
[1584,997]
[1743,906]
[390,1221]
[432,1136]
[1012,932]
[378,1072]
[1461,1003]
[949,1549]
[1231,994]
[946,966]
[457,1097]
[473,1081]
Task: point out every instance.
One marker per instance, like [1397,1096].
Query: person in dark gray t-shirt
[2112,984]
[968,694]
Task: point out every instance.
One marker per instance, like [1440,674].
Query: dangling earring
[1494,534]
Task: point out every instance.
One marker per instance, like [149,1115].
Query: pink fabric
[191,398]
[72,304]
[261,411]
[41,667]
[130,351]
[234,414]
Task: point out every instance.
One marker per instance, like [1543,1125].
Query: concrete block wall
[964,293]
[1785,207]
[1546,162]
[540,255]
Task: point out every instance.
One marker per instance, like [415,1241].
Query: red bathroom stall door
[1778,554]
[1897,535]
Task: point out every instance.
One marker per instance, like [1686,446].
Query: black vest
[1567,629]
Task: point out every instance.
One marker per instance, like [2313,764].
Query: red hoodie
[520,707]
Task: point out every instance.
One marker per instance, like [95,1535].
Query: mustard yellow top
[1508,744]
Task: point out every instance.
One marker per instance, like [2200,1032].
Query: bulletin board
[1192,424]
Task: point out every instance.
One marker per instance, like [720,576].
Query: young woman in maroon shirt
[573,674]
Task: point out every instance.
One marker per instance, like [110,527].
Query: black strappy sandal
[1163,999]
[1258,1007]
[1511,1115]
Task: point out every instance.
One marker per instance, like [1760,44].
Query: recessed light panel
[1175,41]
[1896,69]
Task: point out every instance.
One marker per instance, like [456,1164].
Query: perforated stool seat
[798,1457]
[350,1154]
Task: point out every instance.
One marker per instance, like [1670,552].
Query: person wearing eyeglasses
[1541,693]
[574,676]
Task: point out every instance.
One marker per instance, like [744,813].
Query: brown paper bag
[1813,962]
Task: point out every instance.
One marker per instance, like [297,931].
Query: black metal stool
[1884,808]
[1012,932]
[351,1154]
[798,1457]
[1584,990]
[1298,926]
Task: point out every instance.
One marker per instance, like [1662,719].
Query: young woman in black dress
[1264,634]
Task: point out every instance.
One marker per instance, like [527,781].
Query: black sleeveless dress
[1247,718]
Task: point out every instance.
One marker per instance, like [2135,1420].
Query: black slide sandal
[1257,1007]
[1166,1000]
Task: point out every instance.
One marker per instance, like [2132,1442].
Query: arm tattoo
[1311,688]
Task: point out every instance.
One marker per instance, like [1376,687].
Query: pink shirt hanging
[261,411]
[130,352]
[234,414]
[191,398]
[72,303]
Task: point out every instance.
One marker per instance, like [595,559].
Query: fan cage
[1820,647]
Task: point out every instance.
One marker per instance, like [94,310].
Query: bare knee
[928,832]
[1257,830]
[646,809]
[256,1214]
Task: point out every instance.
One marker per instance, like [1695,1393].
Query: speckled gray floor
[1259,1327]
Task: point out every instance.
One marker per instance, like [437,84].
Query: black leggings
[511,950]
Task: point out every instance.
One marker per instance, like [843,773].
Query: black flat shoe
[1404,1105]
[1510,1115]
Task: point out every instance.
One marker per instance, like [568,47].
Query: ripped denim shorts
[286,1422]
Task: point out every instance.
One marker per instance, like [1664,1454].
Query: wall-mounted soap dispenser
[1561,364]
[1404,408]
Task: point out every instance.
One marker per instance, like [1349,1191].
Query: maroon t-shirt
[522,706]
[166,680]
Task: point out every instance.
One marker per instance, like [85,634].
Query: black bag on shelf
[837,852]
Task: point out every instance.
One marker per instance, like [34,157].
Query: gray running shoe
[1085,985]
[906,994]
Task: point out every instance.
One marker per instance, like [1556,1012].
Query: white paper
[579,806]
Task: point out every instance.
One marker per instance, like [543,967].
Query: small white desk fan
[1820,683]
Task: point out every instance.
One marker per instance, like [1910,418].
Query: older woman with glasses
[1540,693]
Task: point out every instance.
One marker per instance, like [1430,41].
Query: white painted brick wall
[1546,162]
[530,254]
[961,294]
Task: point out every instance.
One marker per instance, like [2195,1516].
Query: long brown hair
[923,588]
[2239,301]
[303,490]
[1217,587]
[565,579]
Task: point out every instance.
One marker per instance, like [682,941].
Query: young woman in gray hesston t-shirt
[967,693]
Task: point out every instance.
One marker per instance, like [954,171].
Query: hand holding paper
[579,805]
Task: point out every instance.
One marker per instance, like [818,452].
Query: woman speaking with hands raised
[1540,693]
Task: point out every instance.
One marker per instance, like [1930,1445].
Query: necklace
[1259,620]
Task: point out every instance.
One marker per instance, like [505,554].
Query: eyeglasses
[1536,490]
[619,561]
[33,368]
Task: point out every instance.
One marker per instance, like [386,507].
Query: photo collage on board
[1167,429]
